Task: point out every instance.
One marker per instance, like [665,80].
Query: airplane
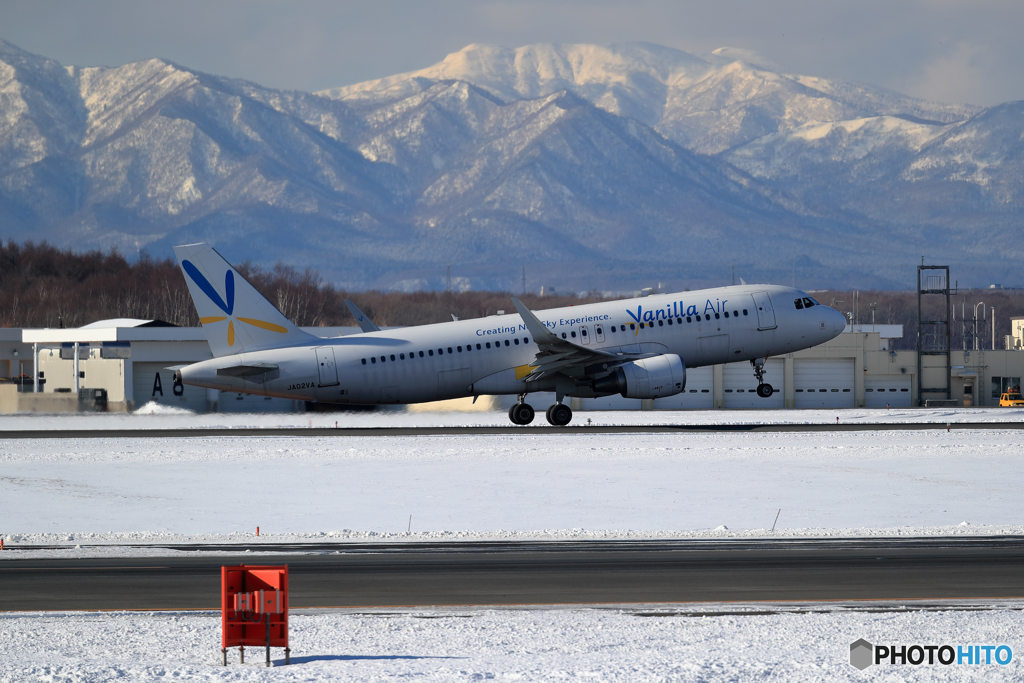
[638,348]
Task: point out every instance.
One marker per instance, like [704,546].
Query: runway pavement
[495,430]
[533,573]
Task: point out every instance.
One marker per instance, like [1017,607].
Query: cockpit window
[799,304]
[808,302]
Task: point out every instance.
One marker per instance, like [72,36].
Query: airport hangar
[129,360]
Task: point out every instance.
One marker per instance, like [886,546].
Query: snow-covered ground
[608,645]
[153,490]
[114,492]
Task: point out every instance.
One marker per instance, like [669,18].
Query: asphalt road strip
[498,431]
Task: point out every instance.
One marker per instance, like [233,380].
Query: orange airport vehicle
[1012,399]
[254,609]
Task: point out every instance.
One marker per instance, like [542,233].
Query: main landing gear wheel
[559,415]
[521,414]
[765,390]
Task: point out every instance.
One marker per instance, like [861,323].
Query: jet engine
[656,377]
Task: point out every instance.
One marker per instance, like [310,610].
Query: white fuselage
[490,355]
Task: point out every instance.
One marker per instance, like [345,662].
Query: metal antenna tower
[933,336]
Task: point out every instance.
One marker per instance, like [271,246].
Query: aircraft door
[326,366]
[765,312]
[599,333]
[585,334]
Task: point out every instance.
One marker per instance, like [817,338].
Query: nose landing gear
[764,390]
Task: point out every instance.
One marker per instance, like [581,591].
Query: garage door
[891,390]
[613,402]
[154,382]
[823,383]
[231,402]
[739,385]
[698,395]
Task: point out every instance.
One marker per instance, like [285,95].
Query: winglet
[541,334]
[365,324]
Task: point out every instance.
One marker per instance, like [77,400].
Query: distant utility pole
[734,273]
[449,289]
[524,279]
[836,303]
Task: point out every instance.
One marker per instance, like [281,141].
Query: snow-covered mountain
[607,167]
[945,177]
[706,105]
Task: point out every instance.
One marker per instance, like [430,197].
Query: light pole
[984,316]
[993,309]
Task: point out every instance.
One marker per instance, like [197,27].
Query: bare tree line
[43,286]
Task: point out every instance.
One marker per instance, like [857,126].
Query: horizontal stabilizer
[246,370]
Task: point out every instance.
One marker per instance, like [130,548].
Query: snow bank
[138,490]
[608,645]
[157,544]
[154,408]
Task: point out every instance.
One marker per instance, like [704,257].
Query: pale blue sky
[947,50]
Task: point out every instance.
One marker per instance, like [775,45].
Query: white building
[127,358]
[130,360]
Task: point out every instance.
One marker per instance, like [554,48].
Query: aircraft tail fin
[235,317]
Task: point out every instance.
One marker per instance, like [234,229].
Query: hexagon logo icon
[861,654]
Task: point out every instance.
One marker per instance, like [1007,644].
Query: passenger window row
[571,335]
[678,321]
[441,351]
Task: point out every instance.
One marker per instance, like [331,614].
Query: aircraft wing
[560,355]
[365,324]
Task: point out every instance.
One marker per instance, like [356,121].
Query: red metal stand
[254,609]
